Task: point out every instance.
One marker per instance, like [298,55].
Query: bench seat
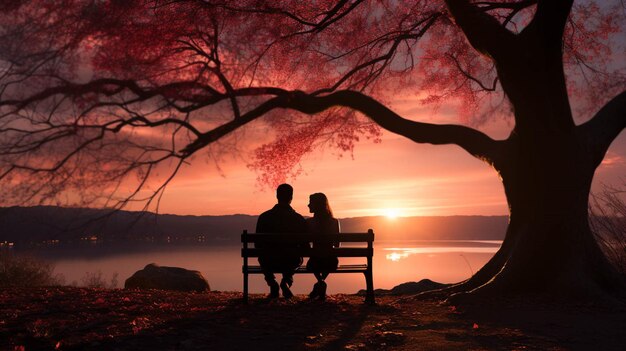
[343,268]
[274,244]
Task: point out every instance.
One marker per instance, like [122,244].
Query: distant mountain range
[50,226]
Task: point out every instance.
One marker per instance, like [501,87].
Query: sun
[391,213]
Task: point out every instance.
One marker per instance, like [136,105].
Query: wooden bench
[267,239]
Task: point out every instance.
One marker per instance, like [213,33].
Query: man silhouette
[281,219]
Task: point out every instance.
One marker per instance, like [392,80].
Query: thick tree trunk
[549,248]
[546,166]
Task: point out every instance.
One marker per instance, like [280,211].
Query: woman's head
[318,204]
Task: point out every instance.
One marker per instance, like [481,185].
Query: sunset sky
[396,177]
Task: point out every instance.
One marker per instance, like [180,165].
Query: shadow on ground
[66,318]
[260,325]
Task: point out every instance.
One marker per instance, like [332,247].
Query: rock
[416,288]
[408,288]
[154,276]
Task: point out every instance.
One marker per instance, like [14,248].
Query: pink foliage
[181,58]
[278,161]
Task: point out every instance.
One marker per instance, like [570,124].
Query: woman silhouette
[322,222]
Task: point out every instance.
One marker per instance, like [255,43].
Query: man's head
[284,194]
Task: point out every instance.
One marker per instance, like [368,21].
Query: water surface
[395,262]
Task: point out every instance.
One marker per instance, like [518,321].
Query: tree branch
[111,87]
[329,17]
[226,128]
[483,31]
[549,21]
[515,6]
[471,77]
[473,141]
[384,60]
[606,125]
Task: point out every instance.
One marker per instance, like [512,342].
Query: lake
[395,262]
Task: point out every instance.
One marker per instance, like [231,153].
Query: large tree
[89,89]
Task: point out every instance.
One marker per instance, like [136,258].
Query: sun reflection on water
[400,253]
[395,256]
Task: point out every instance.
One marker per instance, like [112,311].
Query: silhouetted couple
[282,218]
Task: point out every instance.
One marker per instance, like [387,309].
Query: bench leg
[369,282]
[245,288]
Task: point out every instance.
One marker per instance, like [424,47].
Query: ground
[68,318]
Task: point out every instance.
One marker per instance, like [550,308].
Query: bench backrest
[274,244]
